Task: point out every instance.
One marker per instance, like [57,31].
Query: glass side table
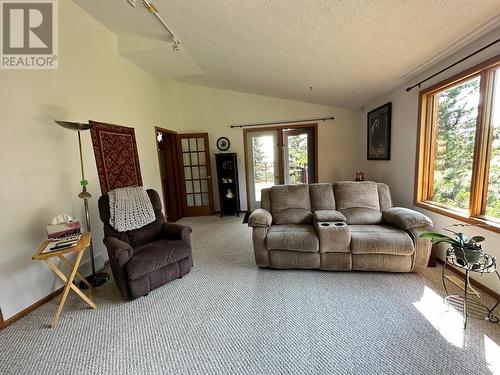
[485,264]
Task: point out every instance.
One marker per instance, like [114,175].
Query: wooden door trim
[176,171]
[314,126]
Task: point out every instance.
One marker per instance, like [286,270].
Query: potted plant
[467,250]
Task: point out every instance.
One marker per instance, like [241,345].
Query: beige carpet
[228,317]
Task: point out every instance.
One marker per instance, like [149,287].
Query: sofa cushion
[290,204]
[380,239]
[358,201]
[322,197]
[294,237]
[156,255]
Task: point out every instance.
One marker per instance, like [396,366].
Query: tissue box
[64,229]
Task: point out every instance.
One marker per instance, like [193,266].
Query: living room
[229,73]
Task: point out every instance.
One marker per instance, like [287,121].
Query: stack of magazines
[62,243]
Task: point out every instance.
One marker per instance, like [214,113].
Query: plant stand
[469,304]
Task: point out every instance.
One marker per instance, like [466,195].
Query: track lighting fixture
[152,9]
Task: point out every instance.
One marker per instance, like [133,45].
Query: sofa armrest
[406,219]
[176,232]
[328,215]
[260,218]
[423,248]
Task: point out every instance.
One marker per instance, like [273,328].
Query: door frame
[175,165]
[313,126]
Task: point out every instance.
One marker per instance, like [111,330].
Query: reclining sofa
[338,227]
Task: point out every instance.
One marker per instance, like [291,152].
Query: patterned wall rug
[116,156]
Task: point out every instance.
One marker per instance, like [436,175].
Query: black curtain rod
[282,122]
[452,65]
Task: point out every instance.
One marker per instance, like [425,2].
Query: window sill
[484,223]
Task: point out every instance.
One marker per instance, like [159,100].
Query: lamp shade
[75,125]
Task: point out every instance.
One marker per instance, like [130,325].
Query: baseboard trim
[475,283]
[5,323]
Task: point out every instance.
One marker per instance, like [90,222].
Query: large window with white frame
[458,152]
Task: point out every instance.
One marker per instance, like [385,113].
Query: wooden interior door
[196,174]
[166,141]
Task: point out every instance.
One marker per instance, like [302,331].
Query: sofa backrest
[322,197]
[360,202]
[290,204]
[384,196]
[265,199]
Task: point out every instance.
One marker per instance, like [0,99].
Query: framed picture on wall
[379,133]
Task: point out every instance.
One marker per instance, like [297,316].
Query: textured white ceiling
[348,51]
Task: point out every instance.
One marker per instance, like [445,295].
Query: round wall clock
[223,144]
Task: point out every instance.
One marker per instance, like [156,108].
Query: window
[458,162]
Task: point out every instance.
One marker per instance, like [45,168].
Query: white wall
[211,110]
[39,160]
[399,172]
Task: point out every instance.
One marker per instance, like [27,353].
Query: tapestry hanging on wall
[379,133]
[116,156]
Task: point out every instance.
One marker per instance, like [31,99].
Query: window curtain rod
[408,89]
[282,122]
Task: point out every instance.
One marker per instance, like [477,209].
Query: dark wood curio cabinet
[227,180]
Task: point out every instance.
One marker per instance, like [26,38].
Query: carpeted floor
[229,317]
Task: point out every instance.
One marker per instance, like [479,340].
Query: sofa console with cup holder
[338,227]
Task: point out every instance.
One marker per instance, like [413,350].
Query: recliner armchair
[146,258]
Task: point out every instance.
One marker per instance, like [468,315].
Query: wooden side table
[78,249]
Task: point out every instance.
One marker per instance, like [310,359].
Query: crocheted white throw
[130,208]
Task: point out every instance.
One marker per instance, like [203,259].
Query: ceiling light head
[175,45]
[131,3]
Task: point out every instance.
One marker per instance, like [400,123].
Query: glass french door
[285,155]
[263,164]
[298,156]
[196,175]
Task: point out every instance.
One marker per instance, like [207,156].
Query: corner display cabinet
[227,180]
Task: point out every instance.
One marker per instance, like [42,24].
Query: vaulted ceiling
[347,51]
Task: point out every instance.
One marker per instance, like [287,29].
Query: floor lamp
[97,278]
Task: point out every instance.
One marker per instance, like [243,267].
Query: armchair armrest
[119,253]
[118,249]
[406,219]
[260,218]
[328,215]
[176,231]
